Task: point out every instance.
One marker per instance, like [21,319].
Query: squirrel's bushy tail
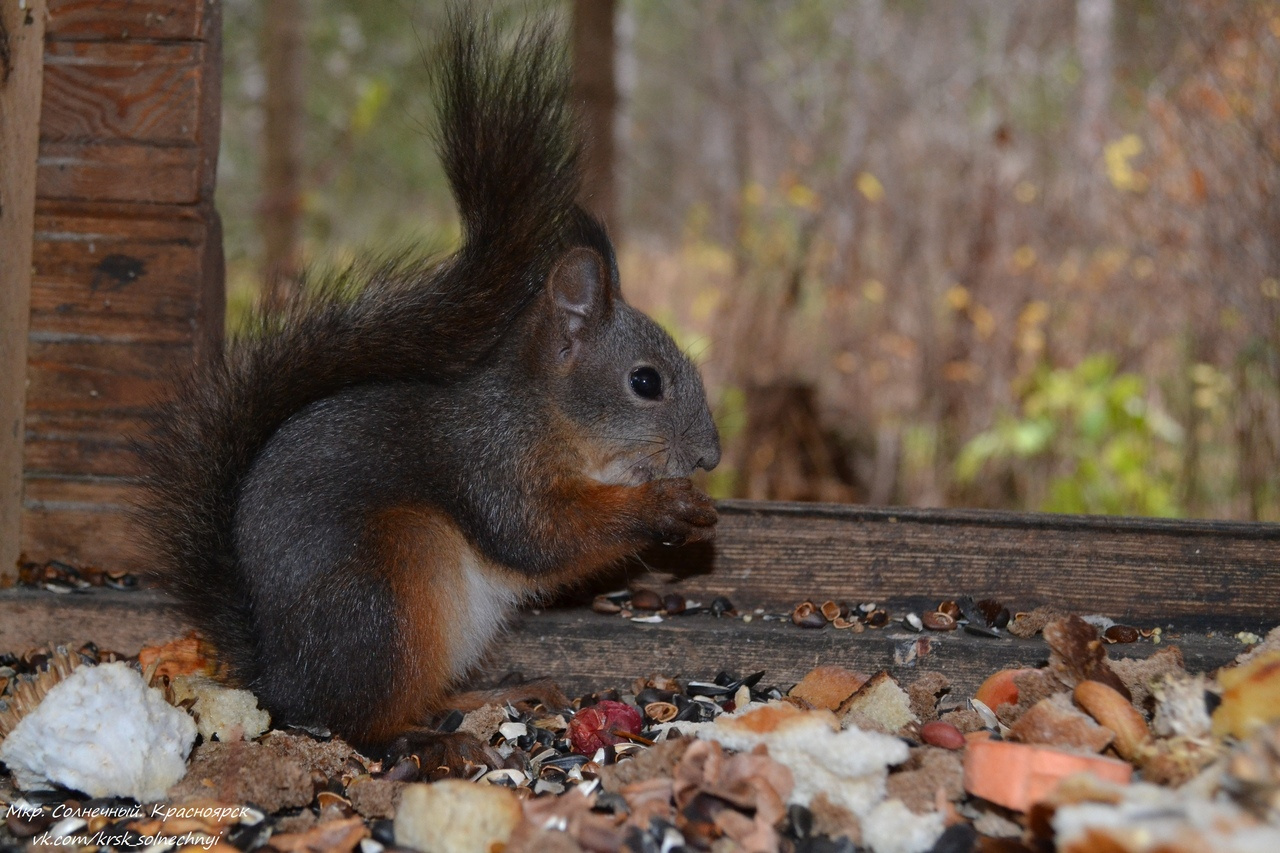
[509,147]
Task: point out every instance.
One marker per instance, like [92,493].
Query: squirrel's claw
[685,514]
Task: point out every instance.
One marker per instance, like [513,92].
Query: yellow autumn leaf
[870,187]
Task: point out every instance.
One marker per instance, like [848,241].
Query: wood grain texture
[90,375]
[81,521]
[120,173]
[122,622]
[122,92]
[19,117]
[584,651]
[129,269]
[121,20]
[1136,569]
[119,277]
[111,493]
[75,444]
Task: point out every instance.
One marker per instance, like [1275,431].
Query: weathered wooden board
[130,19]
[131,173]
[119,276]
[122,622]
[585,651]
[81,521]
[1137,569]
[131,102]
[128,279]
[78,374]
[77,444]
[118,299]
[20,86]
[144,93]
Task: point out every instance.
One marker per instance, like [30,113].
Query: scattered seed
[604,604]
[830,610]
[325,799]
[646,599]
[913,622]
[1121,634]
[936,620]
[943,734]
[673,603]
[990,610]
[512,731]
[661,712]
[802,611]
[721,606]
[699,689]
[806,616]
[877,618]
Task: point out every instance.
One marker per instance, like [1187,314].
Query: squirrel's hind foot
[441,755]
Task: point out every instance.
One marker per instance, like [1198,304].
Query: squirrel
[348,500]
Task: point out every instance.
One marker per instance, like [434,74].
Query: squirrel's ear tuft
[580,290]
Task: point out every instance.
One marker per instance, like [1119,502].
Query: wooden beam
[124,20]
[21,74]
[1141,569]
[585,651]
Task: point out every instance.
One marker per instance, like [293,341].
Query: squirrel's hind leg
[449,604]
[439,754]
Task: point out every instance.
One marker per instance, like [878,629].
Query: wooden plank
[94,444]
[122,622]
[20,83]
[122,91]
[89,374]
[81,521]
[133,120]
[120,173]
[585,651]
[110,493]
[125,278]
[128,20]
[1135,569]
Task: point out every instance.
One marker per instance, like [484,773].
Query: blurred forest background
[1000,253]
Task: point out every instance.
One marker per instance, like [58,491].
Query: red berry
[594,727]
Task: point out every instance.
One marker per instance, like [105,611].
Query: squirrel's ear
[579,287]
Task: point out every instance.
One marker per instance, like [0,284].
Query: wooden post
[126,262]
[21,71]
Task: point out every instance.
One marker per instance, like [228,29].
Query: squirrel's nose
[710,457]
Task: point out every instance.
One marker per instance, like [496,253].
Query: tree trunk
[1094,24]
[595,91]
[283,49]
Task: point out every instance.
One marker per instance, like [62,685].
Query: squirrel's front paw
[684,514]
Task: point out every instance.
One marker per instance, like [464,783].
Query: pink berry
[594,727]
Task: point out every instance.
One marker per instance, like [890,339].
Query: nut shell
[1110,709]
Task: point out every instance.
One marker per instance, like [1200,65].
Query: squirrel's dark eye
[646,382]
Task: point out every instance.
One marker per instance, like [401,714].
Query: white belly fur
[487,603]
